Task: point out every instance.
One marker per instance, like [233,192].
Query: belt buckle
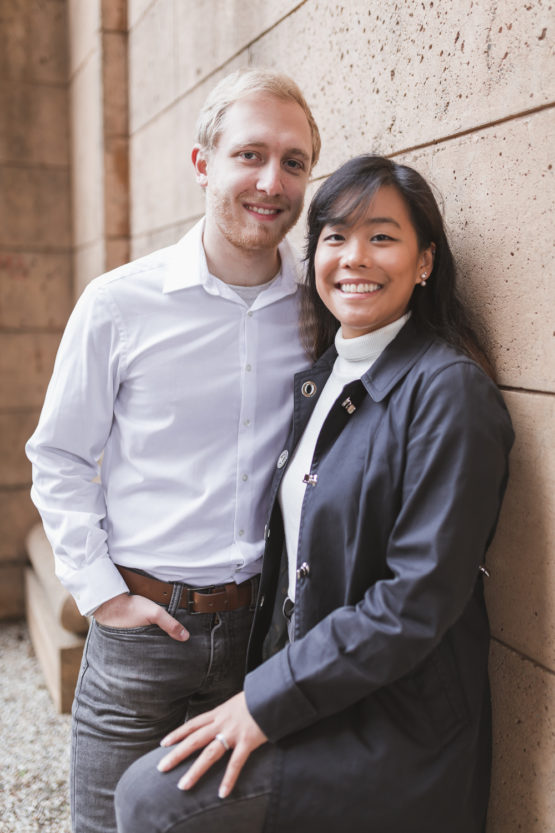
[191,596]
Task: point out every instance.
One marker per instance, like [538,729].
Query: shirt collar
[188,268]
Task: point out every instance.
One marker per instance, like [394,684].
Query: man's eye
[294,164]
[248,155]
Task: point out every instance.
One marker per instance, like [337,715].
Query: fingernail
[184,784]
[183,635]
[161,765]
[222,792]
[164,742]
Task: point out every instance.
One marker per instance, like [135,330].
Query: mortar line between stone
[476,129]
[524,656]
[535,391]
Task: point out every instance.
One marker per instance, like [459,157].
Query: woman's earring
[423,277]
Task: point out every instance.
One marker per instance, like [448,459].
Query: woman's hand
[232,720]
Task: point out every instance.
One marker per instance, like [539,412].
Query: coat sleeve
[455,474]
[64,450]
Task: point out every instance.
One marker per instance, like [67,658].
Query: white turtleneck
[355,357]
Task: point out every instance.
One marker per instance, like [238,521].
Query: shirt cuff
[94,584]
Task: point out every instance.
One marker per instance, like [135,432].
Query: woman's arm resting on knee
[238,730]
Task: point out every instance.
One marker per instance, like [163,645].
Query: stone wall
[35,251]
[462,90]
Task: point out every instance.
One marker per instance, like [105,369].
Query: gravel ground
[34,748]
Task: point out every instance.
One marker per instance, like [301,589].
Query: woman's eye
[380,237]
[334,237]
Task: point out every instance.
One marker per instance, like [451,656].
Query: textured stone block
[35,289]
[522,567]
[88,262]
[26,362]
[522,796]
[33,38]
[497,186]
[88,152]
[34,124]
[147,243]
[15,430]
[116,186]
[84,31]
[152,80]
[117,252]
[163,187]
[383,77]
[200,49]
[34,208]
[114,15]
[12,599]
[114,84]
[136,9]
[17,516]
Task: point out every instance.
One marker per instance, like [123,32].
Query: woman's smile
[367,267]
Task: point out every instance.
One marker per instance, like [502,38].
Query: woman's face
[366,272]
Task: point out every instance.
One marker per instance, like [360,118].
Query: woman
[377,711]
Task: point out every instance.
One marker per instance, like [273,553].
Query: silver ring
[222,740]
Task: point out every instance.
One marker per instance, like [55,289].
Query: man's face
[256,176]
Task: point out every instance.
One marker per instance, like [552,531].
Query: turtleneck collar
[356,355]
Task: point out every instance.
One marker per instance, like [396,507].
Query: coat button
[308,389]
[303,571]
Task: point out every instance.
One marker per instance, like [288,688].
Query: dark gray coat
[380,708]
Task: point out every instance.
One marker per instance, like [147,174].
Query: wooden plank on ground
[58,651]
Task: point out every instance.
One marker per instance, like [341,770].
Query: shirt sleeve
[454,479]
[66,447]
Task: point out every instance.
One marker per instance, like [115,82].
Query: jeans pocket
[141,629]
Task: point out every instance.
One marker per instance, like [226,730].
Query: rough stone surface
[522,579]
[34,208]
[33,38]
[26,362]
[34,125]
[12,602]
[15,430]
[87,151]
[200,48]
[489,180]
[34,289]
[522,796]
[35,742]
[393,75]
[17,516]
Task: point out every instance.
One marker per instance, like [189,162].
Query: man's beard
[248,235]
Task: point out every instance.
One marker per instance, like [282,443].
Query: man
[178,369]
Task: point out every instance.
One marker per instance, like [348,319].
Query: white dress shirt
[187,393]
[354,357]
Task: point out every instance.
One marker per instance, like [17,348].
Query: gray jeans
[148,801]
[136,685]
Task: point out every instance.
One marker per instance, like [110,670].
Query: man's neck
[237,266]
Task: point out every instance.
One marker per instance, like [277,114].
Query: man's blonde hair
[245,82]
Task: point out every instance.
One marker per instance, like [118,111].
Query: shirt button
[241,532]
[244,477]
[250,314]
[246,422]
[248,368]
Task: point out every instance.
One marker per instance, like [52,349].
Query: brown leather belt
[214,599]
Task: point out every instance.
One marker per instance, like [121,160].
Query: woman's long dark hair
[343,197]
